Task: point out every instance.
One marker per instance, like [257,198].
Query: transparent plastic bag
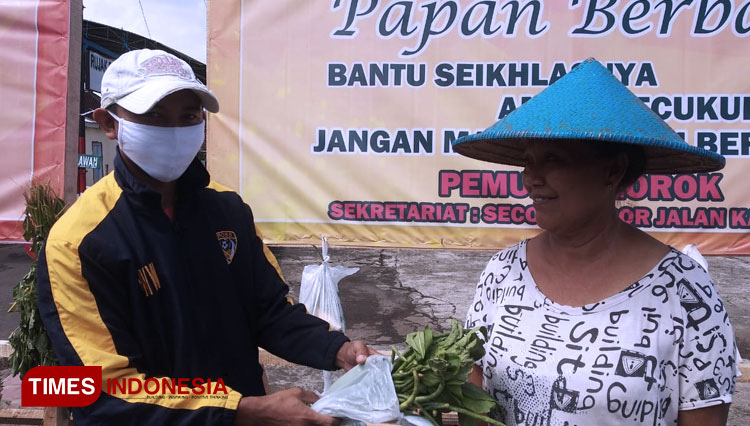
[319,292]
[364,394]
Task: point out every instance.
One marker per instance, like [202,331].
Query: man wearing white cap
[156,274]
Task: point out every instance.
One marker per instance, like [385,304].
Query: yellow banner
[337,117]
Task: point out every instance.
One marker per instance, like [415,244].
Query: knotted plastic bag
[364,394]
[319,292]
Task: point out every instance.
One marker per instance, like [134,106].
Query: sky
[179,24]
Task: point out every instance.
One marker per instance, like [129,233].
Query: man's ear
[106,122]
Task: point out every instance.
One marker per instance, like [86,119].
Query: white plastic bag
[692,251]
[364,394]
[319,292]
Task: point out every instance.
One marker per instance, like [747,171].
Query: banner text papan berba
[421,23]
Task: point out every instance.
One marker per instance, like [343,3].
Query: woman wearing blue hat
[594,322]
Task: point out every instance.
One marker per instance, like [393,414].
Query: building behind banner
[49,135]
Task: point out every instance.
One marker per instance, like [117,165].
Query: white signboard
[86,161]
[97,65]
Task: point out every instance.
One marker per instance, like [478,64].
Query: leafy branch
[31,345]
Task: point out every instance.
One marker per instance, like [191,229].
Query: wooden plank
[56,416]
[5,349]
[21,416]
[267,358]
[745,370]
[449,419]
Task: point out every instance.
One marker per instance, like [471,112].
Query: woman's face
[567,182]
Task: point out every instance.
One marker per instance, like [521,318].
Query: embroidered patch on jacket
[148,280]
[228,243]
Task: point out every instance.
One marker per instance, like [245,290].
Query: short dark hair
[636,160]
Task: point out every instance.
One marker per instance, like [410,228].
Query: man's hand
[353,353]
[287,407]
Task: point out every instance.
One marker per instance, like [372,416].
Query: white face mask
[164,153]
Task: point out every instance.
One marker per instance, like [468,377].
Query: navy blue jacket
[124,287]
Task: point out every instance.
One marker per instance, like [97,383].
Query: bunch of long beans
[431,375]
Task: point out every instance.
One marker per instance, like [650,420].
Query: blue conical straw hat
[588,103]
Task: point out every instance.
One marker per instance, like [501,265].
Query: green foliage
[31,346]
[431,375]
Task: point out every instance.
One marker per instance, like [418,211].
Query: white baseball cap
[138,79]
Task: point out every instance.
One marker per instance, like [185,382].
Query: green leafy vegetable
[431,375]
[31,346]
